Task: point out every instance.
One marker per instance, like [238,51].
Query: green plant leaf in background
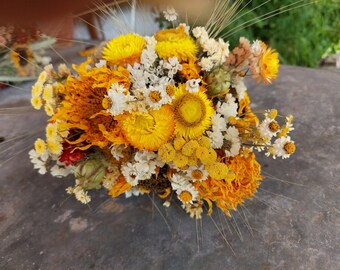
[302,36]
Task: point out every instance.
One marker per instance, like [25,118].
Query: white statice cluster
[232,143]
[228,107]
[239,86]
[39,161]
[60,169]
[117,151]
[217,50]
[222,136]
[120,99]
[172,66]
[151,79]
[141,167]
[149,54]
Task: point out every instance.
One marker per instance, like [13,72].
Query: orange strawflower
[81,108]
[229,194]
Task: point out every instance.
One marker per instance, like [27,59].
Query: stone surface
[292,223]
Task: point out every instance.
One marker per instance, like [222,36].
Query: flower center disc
[185,196]
[197,174]
[145,123]
[190,110]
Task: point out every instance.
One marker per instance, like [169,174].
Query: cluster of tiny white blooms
[278,148]
[233,141]
[119,99]
[43,60]
[117,151]
[193,85]
[142,167]
[149,54]
[218,126]
[61,170]
[200,34]
[228,107]
[170,14]
[265,131]
[240,87]
[217,50]
[81,195]
[138,76]
[39,160]
[160,91]
[63,70]
[197,170]
[101,63]
[133,192]
[182,184]
[172,65]
[111,176]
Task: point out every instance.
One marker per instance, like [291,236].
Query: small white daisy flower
[268,128]
[170,14]
[282,147]
[197,173]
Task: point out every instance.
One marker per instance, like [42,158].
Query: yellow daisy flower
[48,93]
[54,146]
[40,146]
[175,42]
[49,109]
[123,50]
[51,131]
[148,130]
[37,89]
[193,113]
[36,102]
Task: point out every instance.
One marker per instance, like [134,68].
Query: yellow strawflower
[175,42]
[123,50]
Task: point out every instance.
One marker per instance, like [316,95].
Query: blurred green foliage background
[302,36]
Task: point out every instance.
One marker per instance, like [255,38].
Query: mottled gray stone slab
[287,226]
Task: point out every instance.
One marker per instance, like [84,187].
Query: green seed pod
[90,172]
[218,81]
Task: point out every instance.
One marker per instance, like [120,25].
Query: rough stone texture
[287,226]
